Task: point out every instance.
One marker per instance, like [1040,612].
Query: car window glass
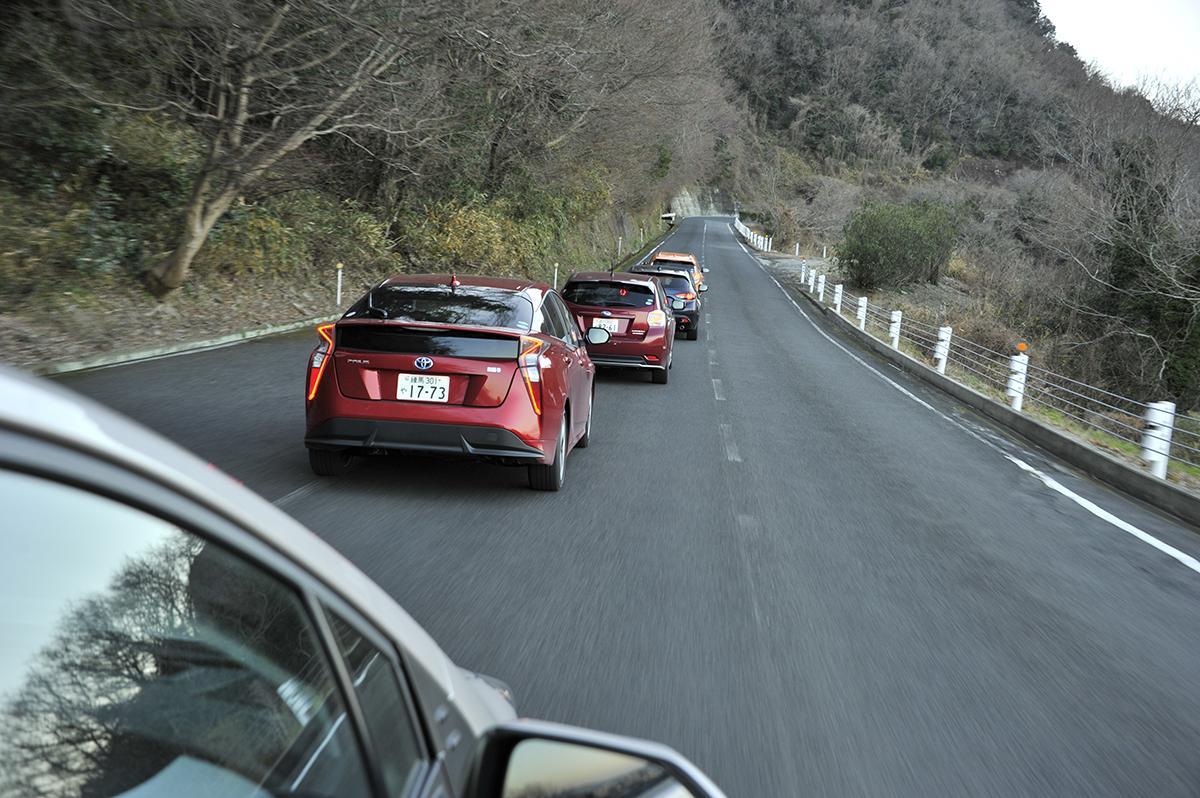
[443,304]
[569,328]
[141,660]
[676,285]
[553,324]
[609,294]
[389,722]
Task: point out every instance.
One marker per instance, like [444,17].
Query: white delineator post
[1156,437]
[803,273]
[556,276]
[770,239]
[620,242]
[812,280]
[861,313]
[837,299]
[941,350]
[824,252]
[1018,367]
[894,328]
[338,295]
[797,249]
[820,288]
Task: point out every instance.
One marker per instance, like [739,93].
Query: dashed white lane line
[298,493]
[731,450]
[750,528]
[718,390]
[1050,482]
[712,357]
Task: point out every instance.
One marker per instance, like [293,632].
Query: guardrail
[1153,431]
[756,240]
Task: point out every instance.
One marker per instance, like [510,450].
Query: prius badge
[423,363]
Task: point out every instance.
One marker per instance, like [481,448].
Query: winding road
[806,571]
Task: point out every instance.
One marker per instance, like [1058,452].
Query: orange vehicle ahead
[685,259]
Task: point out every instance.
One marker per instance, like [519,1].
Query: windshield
[609,295]
[440,304]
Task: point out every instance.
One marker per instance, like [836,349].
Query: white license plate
[422,387]
[612,325]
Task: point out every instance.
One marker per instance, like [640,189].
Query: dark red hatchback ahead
[634,311]
[486,368]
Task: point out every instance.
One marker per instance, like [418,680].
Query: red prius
[486,368]
[635,312]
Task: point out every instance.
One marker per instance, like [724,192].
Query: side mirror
[528,758]
[703,287]
[678,304]
[596,335]
[705,270]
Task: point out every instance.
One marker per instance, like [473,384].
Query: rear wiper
[383,314]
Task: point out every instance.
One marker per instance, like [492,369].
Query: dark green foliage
[887,245]
[1141,238]
[662,163]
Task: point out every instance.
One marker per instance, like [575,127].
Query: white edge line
[1091,507]
[718,389]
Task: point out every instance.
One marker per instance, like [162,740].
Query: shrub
[887,245]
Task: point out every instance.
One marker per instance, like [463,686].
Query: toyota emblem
[424,363]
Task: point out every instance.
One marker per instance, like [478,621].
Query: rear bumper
[461,440]
[687,319]
[631,353]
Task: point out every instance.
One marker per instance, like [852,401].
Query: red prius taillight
[688,295]
[320,358]
[530,363]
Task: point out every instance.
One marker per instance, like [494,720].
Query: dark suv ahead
[679,288]
[169,633]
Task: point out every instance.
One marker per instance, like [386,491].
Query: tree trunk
[199,219]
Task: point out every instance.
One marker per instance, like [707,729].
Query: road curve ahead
[804,570]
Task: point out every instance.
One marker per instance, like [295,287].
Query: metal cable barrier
[1153,432]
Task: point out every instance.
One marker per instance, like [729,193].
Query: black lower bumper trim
[624,361]
[413,436]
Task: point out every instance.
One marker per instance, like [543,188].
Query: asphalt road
[799,576]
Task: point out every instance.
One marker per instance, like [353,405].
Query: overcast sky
[1130,39]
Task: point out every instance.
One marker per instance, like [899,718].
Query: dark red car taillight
[320,358]
[529,363]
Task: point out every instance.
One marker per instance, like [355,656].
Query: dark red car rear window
[609,295]
[438,304]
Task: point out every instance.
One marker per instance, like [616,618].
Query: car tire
[659,376]
[693,334]
[586,440]
[328,462]
[549,476]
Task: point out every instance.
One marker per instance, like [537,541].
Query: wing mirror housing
[597,336]
[678,304]
[703,287]
[536,758]
[705,270]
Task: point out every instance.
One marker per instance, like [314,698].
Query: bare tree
[257,78]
